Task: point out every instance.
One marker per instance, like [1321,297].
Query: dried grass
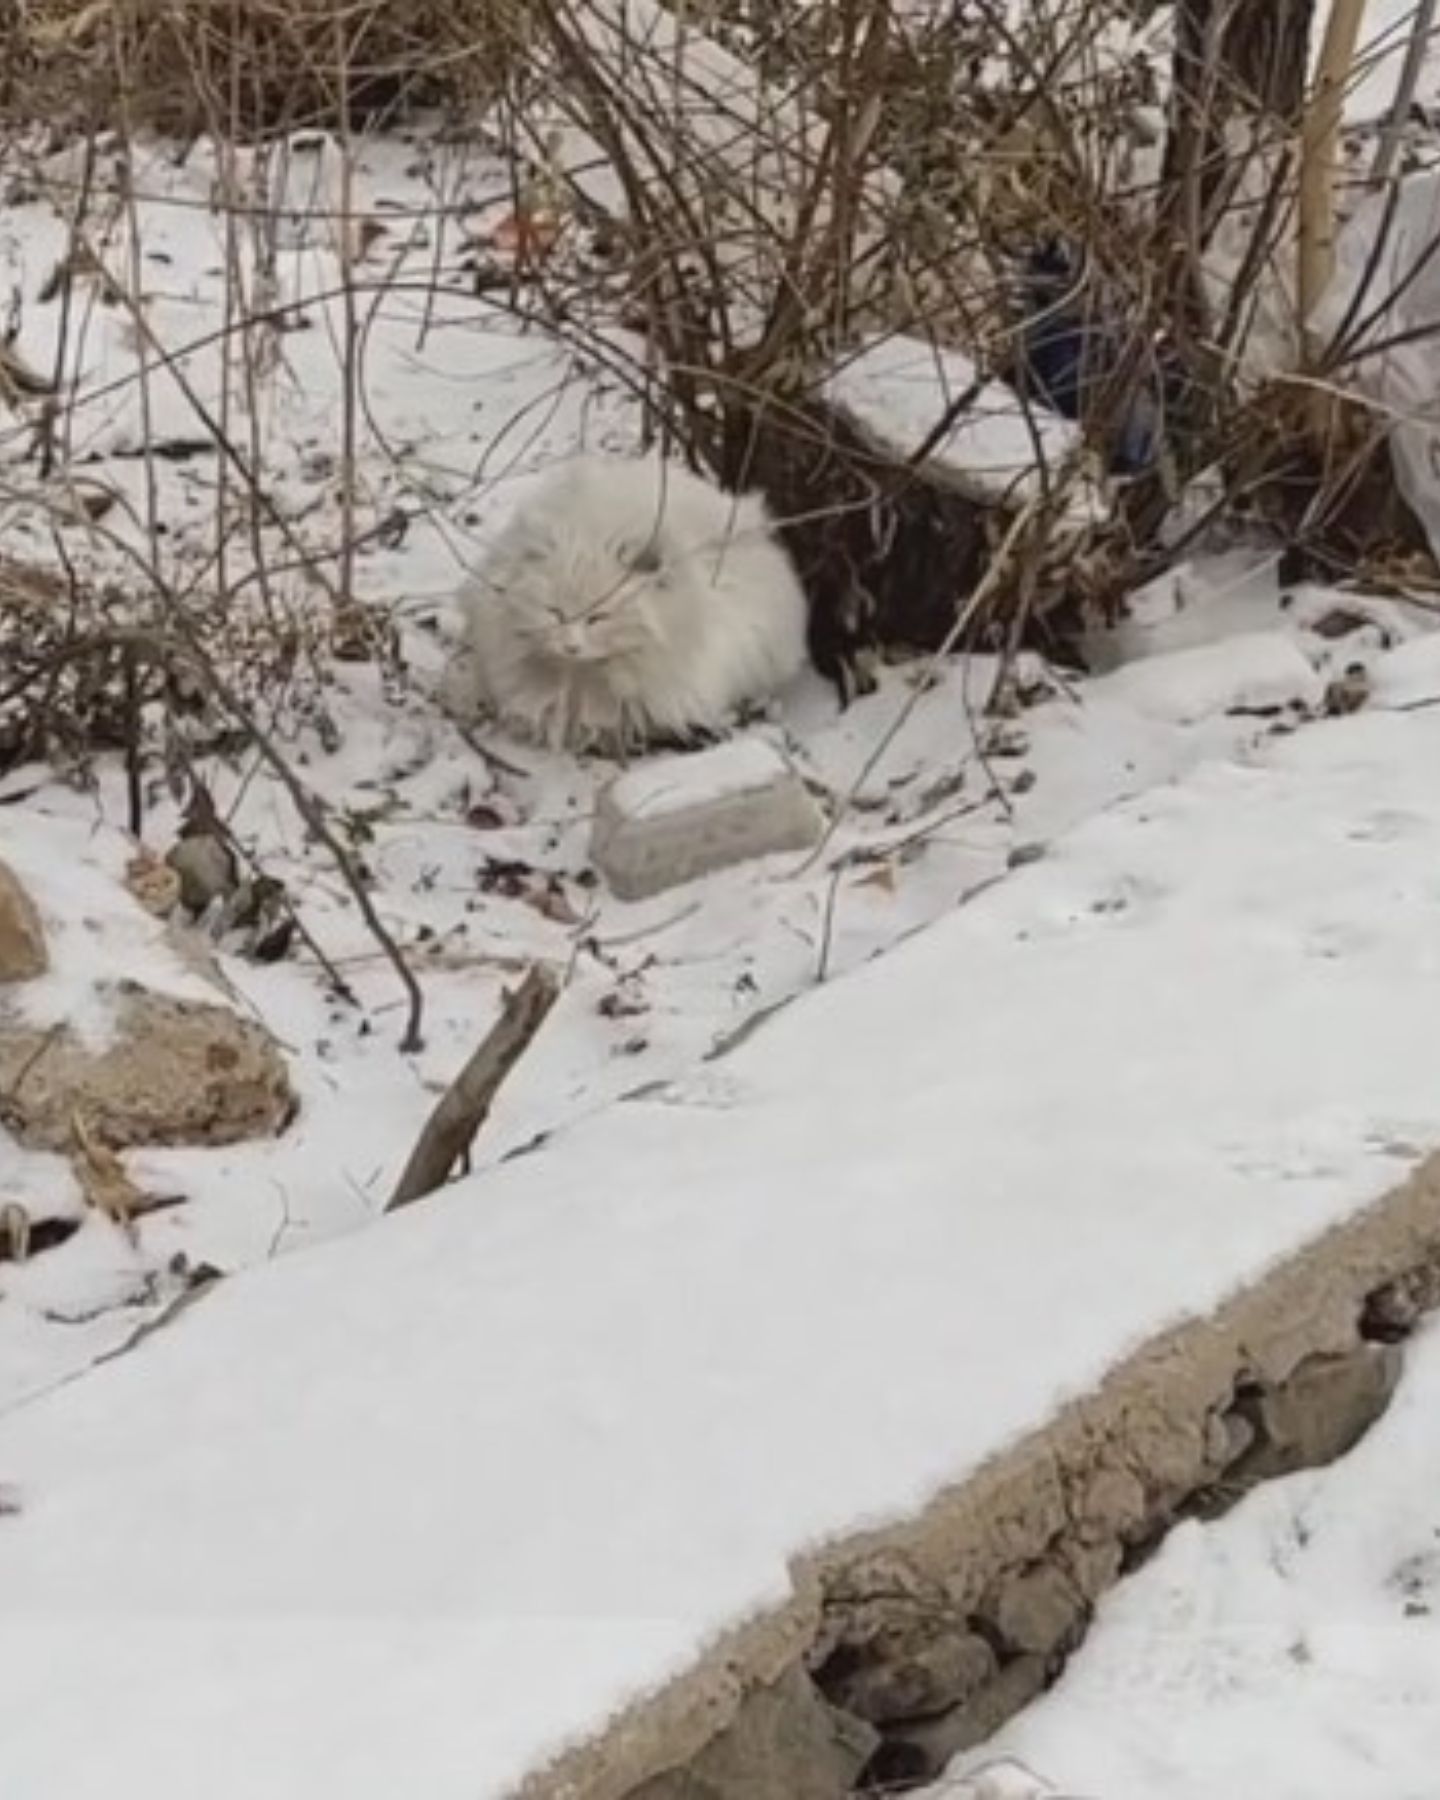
[182,66]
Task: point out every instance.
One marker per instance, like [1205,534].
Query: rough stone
[1039,1611]
[172,1072]
[1323,1410]
[785,1743]
[206,869]
[893,1644]
[1092,1567]
[22,937]
[1395,1308]
[680,817]
[1229,1435]
[922,1751]
[913,1676]
[1171,1450]
[1112,1505]
[881,1596]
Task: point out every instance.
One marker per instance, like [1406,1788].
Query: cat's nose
[573,641]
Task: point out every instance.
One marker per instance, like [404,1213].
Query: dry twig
[465,1105]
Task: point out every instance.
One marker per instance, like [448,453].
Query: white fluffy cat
[627,600]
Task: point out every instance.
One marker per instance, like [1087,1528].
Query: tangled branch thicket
[714,207]
[172,65]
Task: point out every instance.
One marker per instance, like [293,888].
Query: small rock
[1323,1410]
[1039,1611]
[22,937]
[1113,1505]
[1393,1311]
[922,1751]
[881,1597]
[1169,1448]
[913,1678]
[1228,1436]
[206,867]
[785,1743]
[174,1072]
[1093,1568]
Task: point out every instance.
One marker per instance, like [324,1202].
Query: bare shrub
[714,206]
[270,64]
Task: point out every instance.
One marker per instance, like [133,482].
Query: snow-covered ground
[1289,1651]
[477,873]
[1181,948]
[1387,28]
[412,1509]
[480,866]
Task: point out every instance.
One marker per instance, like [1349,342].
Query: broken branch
[450,1130]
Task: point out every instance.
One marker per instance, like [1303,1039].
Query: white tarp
[1384,308]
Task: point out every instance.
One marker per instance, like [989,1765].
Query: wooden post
[1319,148]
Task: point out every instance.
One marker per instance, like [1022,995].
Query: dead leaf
[552,902]
[618,1005]
[102,1177]
[360,634]
[527,236]
[946,787]
[505,876]
[151,881]
[1338,622]
[1349,692]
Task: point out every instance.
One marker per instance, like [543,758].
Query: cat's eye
[643,559]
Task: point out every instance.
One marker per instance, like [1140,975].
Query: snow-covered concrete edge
[1149,1415]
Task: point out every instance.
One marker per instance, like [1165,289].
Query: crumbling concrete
[933,1631]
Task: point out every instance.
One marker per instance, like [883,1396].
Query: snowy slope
[478,868]
[408,1512]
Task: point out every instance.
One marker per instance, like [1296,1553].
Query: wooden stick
[450,1130]
[1319,153]
[1393,136]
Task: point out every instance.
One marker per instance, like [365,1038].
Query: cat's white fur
[625,600]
